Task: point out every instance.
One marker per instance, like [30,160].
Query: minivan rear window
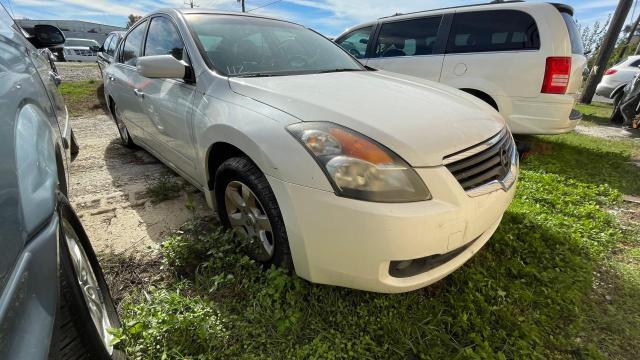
[496,30]
[574,34]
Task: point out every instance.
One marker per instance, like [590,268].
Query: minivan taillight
[556,75]
[610,72]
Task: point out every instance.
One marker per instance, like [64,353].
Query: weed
[165,188]
[528,294]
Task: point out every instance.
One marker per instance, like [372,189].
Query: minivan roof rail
[561,7]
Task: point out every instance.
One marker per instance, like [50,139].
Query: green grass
[83,97]
[595,113]
[530,293]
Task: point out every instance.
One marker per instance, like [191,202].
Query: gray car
[54,302]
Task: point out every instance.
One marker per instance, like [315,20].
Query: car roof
[451,9]
[186,11]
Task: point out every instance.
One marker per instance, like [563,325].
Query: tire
[616,115]
[75,148]
[81,335]
[241,170]
[125,136]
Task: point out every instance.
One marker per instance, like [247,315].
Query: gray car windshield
[247,46]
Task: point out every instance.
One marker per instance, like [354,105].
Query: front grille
[482,163]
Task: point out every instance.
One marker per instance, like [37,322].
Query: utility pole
[242,3]
[626,43]
[606,49]
[191,4]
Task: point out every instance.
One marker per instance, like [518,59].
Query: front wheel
[616,115]
[247,205]
[85,292]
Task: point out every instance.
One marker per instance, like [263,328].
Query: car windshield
[247,46]
[81,42]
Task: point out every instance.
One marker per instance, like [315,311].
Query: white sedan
[347,175]
[84,50]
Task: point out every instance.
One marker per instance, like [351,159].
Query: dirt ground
[78,71]
[107,188]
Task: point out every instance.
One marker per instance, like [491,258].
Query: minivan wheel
[125,137]
[247,205]
[84,288]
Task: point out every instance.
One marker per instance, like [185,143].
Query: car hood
[421,121]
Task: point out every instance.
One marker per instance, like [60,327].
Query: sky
[329,17]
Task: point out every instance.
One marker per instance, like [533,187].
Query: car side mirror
[364,41]
[45,36]
[95,48]
[161,67]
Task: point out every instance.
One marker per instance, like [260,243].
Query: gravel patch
[608,132]
[78,71]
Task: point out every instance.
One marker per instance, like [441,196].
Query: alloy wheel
[89,285]
[248,218]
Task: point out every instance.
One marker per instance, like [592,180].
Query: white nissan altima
[349,176]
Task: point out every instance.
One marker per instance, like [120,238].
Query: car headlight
[358,167]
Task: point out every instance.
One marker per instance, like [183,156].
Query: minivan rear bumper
[546,114]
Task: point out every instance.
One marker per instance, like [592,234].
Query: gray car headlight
[358,167]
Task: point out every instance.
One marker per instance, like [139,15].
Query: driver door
[167,103]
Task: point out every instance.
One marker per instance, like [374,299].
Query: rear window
[497,30]
[574,34]
[81,42]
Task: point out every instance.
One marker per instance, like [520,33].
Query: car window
[107,43]
[356,42]
[408,38]
[132,48]
[497,30]
[111,50]
[574,34]
[635,63]
[163,39]
[81,42]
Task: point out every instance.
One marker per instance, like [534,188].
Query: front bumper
[353,243]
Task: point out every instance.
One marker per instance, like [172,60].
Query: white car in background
[524,59]
[351,176]
[617,77]
[84,50]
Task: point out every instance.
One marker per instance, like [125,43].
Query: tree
[592,38]
[132,20]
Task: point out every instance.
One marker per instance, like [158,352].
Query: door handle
[111,78]
[138,93]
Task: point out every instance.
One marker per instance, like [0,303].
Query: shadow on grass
[518,297]
[585,159]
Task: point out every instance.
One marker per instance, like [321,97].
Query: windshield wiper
[338,70]
[256,75]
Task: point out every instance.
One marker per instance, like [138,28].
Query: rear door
[495,51]
[124,82]
[409,47]
[167,102]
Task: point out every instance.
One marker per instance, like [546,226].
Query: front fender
[260,132]
[36,166]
